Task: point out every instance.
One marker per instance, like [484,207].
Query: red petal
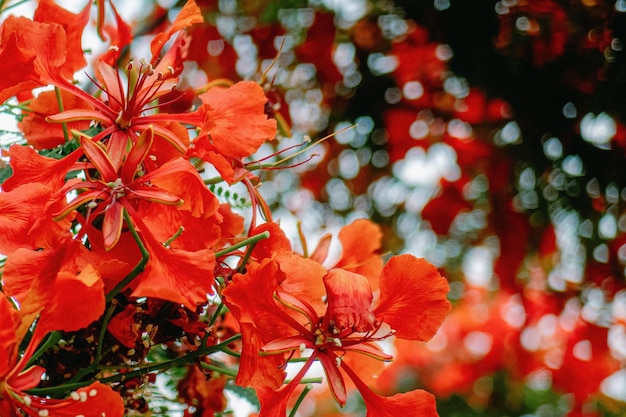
[417,403]
[331,364]
[321,251]
[136,155]
[360,242]
[29,277]
[274,401]
[155,194]
[412,297]
[75,115]
[8,340]
[188,15]
[99,399]
[287,344]
[25,220]
[17,68]
[63,312]
[164,221]
[38,131]
[349,302]
[256,370]
[158,124]
[304,280]
[226,108]
[112,224]
[121,327]
[99,159]
[276,244]
[176,275]
[249,297]
[73,25]
[109,76]
[370,350]
[180,178]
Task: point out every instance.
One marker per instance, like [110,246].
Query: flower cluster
[121,262]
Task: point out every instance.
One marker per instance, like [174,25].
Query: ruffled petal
[94,400]
[188,15]
[360,243]
[235,121]
[73,24]
[176,275]
[412,297]
[63,312]
[417,403]
[349,302]
[249,297]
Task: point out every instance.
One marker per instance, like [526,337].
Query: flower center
[118,188]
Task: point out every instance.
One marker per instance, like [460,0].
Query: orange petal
[176,275]
[63,312]
[250,297]
[73,24]
[360,242]
[226,108]
[188,15]
[412,297]
[25,221]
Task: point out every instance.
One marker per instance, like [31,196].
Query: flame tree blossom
[411,304]
[48,294]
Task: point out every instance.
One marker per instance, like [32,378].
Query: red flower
[33,279]
[122,115]
[113,190]
[412,303]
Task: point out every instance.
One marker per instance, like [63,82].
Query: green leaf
[247,394]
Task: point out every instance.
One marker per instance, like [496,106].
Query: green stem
[244,261]
[11,6]
[66,133]
[224,371]
[103,329]
[174,236]
[138,268]
[316,380]
[303,394]
[52,339]
[250,240]
[137,371]
[215,315]
[231,352]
